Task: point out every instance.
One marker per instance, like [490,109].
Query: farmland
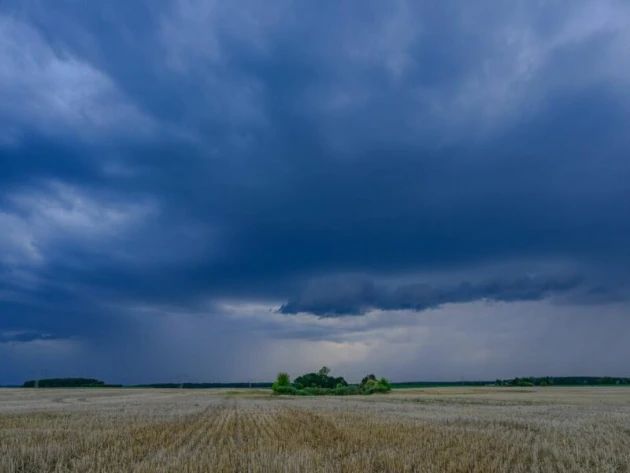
[414,430]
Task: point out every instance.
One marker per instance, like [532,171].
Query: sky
[218,191]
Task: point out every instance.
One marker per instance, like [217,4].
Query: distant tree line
[321,384]
[68,383]
[563,381]
[96,383]
[438,384]
[204,385]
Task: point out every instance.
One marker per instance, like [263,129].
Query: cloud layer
[356,297]
[161,161]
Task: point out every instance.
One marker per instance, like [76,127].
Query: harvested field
[427,430]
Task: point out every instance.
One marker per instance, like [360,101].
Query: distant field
[464,429]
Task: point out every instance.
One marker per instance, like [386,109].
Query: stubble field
[434,430]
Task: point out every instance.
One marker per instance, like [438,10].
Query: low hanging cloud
[338,297]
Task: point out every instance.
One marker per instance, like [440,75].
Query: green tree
[283,379]
[369,377]
[324,371]
[320,384]
[319,380]
[370,383]
[282,382]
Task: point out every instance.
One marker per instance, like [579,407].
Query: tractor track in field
[236,433]
[177,438]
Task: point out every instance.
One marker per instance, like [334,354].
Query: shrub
[317,391]
[283,381]
[524,384]
[367,378]
[370,383]
[284,389]
[320,384]
[346,391]
[378,388]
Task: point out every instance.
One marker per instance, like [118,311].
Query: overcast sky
[219,191]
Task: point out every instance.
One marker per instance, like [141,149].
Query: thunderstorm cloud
[208,189]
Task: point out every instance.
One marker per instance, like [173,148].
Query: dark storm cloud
[179,153]
[355,297]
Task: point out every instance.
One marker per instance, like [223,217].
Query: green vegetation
[319,380]
[563,381]
[522,382]
[68,383]
[321,384]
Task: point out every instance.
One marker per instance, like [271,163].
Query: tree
[324,371]
[319,380]
[320,383]
[64,383]
[385,383]
[369,377]
[283,381]
[309,380]
[340,381]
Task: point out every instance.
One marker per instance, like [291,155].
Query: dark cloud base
[355,297]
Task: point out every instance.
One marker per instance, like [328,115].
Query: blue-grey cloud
[356,297]
[182,153]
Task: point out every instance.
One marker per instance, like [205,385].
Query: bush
[365,380]
[284,389]
[317,391]
[377,389]
[383,382]
[320,384]
[524,384]
[282,383]
[370,383]
[283,379]
[346,391]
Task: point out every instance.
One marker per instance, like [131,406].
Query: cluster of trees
[321,384]
[321,379]
[68,383]
[563,381]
